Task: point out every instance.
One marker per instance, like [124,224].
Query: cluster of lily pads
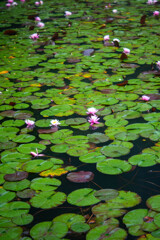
[72,70]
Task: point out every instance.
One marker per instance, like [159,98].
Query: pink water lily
[40,24]
[34,36]
[126,51]
[92,111]
[37,19]
[114,11]
[93,120]
[158,64]
[106,38]
[37,3]
[10,1]
[156,13]
[68,13]
[36,154]
[29,123]
[145,98]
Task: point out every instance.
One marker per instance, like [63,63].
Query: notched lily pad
[17,176]
[80,177]
[106,194]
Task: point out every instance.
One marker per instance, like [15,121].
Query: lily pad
[82,197]
[14,209]
[80,177]
[23,219]
[17,176]
[45,184]
[47,200]
[48,230]
[106,194]
[113,166]
[36,166]
[114,150]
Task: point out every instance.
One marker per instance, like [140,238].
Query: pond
[79,112]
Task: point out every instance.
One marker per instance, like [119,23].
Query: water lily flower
[158,64]
[37,3]
[106,38]
[10,1]
[150,2]
[55,122]
[34,36]
[40,24]
[116,40]
[14,4]
[145,98]
[93,120]
[41,2]
[37,19]
[126,51]
[114,11]
[36,154]
[156,13]
[29,123]
[67,13]
[92,111]
[8,4]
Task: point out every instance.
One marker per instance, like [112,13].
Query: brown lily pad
[17,176]
[80,177]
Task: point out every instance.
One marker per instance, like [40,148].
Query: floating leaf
[36,166]
[14,209]
[47,200]
[106,194]
[45,184]
[6,196]
[80,227]
[48,230]
[114,150]
[69,219]
[80,177]
[23,219]
[17,176]
[82,197]
[17,186]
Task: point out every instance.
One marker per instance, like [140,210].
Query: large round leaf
[113,166]
[114,150]
[49,230]
[47,200]
[14,209]
[82,197]
[45,184]
[36,166]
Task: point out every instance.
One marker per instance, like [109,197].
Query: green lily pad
[143,160]
[23,219]
[6,196]
[113,166]
[92,157]
[78,150]
[24,138]
[106,194]
[97,137]
[80,227]
[154,203]
[14,156]
[11,233]
[14,209]
[45,184]
[69,219]
[107,232]
[36,166]
[47,200]
[49,230]
[114,150]
[76,121]
[82,197]
[16,186]
[31,147]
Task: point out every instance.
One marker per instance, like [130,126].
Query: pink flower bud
[156,13]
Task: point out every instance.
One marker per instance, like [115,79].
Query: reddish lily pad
[80,177]
[17,176]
